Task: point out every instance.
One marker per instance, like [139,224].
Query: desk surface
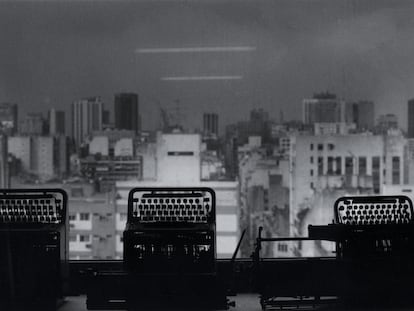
[244,302]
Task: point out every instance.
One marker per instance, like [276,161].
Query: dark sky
[52,53]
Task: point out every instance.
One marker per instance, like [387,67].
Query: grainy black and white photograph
[238,155]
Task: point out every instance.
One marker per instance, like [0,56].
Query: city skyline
[283,51]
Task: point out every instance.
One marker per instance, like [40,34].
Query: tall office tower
[323,108]
[410,125]
[258,123]
[126,111]
[210,124]
[361,113]
[8,118]
[33,124]
[56,122]
[4,166]
[86,117]
[105,116]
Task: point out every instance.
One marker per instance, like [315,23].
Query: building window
[84,238]
[72,217]
[320,147]
[84,216]
[72,238]
[331,147]
[311,172]
[311,146]
[180,153]
[320,166]
[338,164]
[330,165]
[395,170]
[376,173]
[349,166]
[282,247]
[362,166]
[311,160]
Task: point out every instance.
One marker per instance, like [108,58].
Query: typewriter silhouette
[374,262]
[33,241]
[169,253]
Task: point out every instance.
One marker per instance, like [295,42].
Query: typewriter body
[373,263]
[169,254]
[170,248]
[374,247]
[34,251]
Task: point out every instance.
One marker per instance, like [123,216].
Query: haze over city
[208,55]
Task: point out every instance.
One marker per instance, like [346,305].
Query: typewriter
[169,254]
[34,250]
[170,248]
[373,262]
[374,247]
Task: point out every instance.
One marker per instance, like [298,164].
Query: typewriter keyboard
[194,207]
[375,213]
[30,209]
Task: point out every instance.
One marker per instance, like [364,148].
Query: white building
[325,167]
[124,147]
[178,158]
[43,156]
[20,147]
[99,145]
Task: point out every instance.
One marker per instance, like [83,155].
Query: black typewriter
[170,247]
[34,251]
[373,262]
[374,247]
[169,254]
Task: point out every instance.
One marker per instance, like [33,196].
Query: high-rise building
[4,167]
[44,156]
[126,111]
[33,124]
[210,124]
[410,125]
[259,124]
[8,118]
[361,113]
[56,120]
[86,117]
[323,108]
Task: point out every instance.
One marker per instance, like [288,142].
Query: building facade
[33,124]
[410,119]
[8,118]
[127,112]
[56,122]
[323,108]
[86,118]
[360,113]
[210,124]
[327,166]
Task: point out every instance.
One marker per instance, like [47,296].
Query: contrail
[200,78]
[206,49]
